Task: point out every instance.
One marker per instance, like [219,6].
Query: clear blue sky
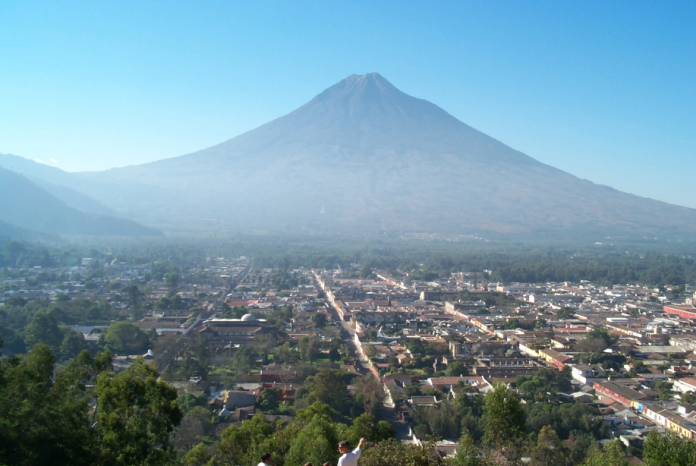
[603,90]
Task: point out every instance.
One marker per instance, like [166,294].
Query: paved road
[349,337]
[388,412]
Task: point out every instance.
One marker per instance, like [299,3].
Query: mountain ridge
[25,207]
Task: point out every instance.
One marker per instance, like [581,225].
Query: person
[266,460]
[349,458]
[326,464]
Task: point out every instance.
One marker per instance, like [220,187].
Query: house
[446,383]
[382,352]
[670,420]
[687,311]
[685,385]
[423,401]
[554,357]
[238,398]
[350,369]
[581,397]
[404,358]
[624,395]
[446,448]
[233,330]
[584,372]
[390,385]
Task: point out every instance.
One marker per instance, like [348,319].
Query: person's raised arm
[360,445]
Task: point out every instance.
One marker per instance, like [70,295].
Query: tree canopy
[46,418]
[125,338]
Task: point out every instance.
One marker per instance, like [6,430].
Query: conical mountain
[364,156]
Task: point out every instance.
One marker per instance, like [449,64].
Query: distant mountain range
[28,211]
[360,157]
[14,232]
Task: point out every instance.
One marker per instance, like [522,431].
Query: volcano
[363,156]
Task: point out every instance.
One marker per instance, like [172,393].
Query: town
[237,340]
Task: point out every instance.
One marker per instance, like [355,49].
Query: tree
[309,347]
[268,400]
[234,312]
[437,349]
[689,397]
[202,356]
[43,328]
[611,455]
[393,453]
[11,341]
[171,279]
[468,452]
[103,361]
[412,390]
[43,419]
[503,420]
[246,443]
[315,443]
[600,333]
[335,347]
[364,426]
[188,401]
[134,300]
[544,384]
[369,392]
[73,343]
[383,431]
[286,354]
[565,313]
[319,319]
[136,413]
[370,351]
[566,419]
[580,446]
[265,344]
[440,420]
[244,358]
[199,455]
[668,450]
[188,433]
[549,450]
[45,415]
[455,369]
[126,338]
[328,387]
[316,409]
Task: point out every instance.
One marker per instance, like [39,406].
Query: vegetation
[668,450]
[47,419]
[611,455]
[503,422]
[126,338]
[545,385]
[649,262]
[313,437]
